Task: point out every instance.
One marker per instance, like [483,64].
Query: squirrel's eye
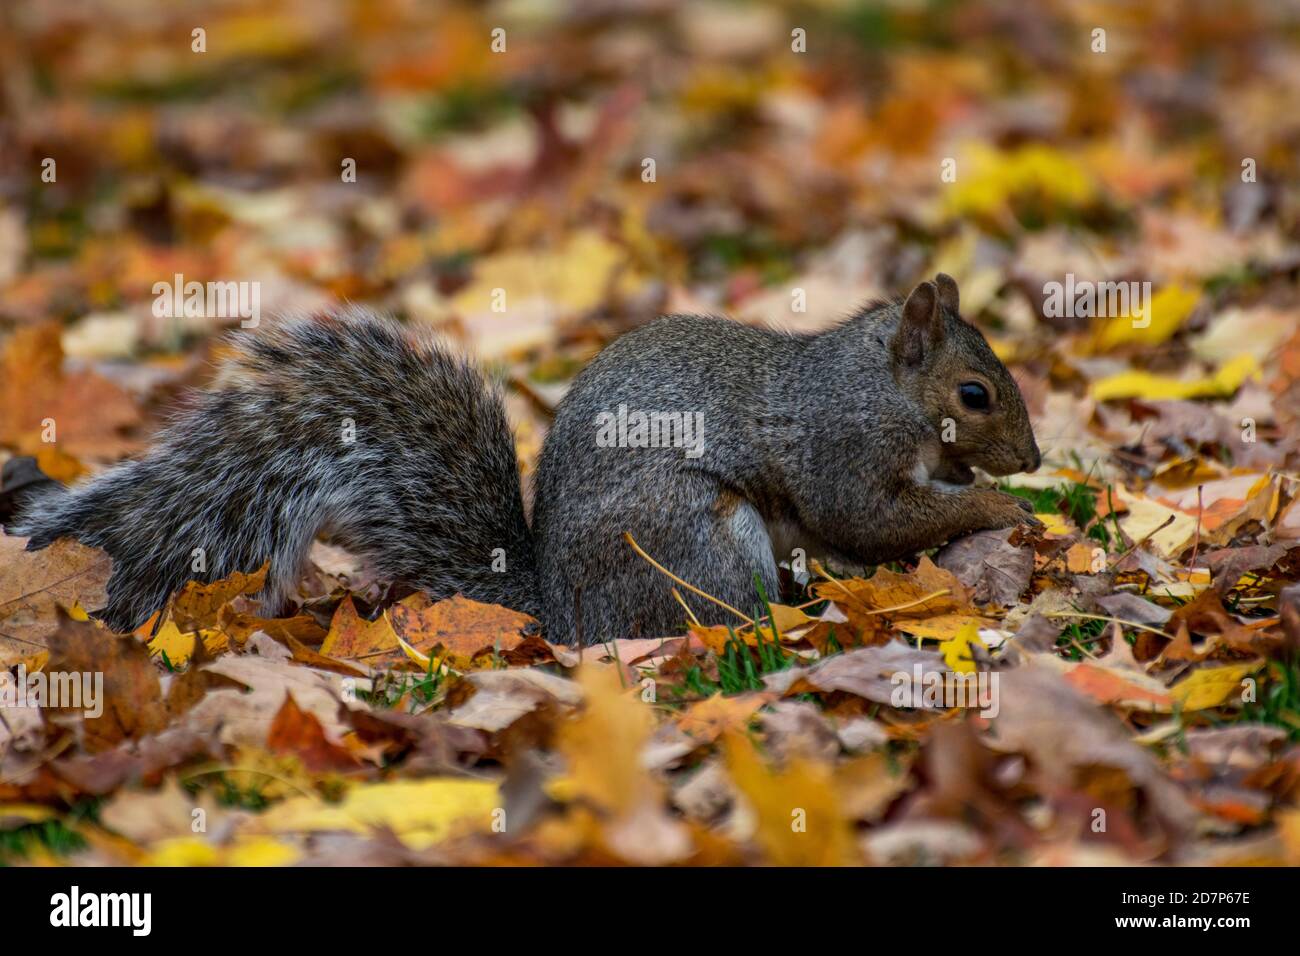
[974,396]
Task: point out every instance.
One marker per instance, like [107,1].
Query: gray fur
[830,437]
[259,466]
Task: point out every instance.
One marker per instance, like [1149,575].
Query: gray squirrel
[718,447]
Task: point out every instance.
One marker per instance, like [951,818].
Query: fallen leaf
[502,697]
[35,585]
[602,748]
[299,733]
[709,719]
[957,653]
[89,416]
[800,821]
[1136,384]
[872,673]
[987,562]
[126,691]
[419,812]
[460,627]
[198,605]
[1209,687]
[351,637]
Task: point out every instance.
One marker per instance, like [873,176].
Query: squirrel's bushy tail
[349,425]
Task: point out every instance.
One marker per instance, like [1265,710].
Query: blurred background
[605,161]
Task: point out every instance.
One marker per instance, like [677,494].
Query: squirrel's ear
[921,328]
[948,297]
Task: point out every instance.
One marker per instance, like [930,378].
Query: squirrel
[717,446]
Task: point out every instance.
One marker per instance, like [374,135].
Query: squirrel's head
[968,395]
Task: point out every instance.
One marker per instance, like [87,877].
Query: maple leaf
[462,628]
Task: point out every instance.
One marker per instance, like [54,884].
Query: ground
[1113,189]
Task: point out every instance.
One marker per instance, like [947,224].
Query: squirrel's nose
[1032,462]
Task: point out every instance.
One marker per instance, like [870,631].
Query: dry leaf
[35,585]
[460,627]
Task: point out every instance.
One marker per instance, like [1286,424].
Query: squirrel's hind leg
[702,532]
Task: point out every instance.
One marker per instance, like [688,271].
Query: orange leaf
[298,732]
[464,628]
[352,637]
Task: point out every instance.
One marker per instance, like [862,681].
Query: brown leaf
[925,592]
[709,719]
[928,594]
[132,703]
[91,415]
[872,673]
[986,561]
[352,637]
[241,626]
[146,817]
[1227,565]
[298,732]
[798,728]
[462,627]
[199,605]
[144,760]
[1207,616]
[1042,716]
[500,698]
[34,585]
[243,715]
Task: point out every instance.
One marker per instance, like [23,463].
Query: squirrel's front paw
[1002,510]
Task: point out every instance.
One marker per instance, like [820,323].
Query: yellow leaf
[183,851]
[1145,515]
[1134,384]
[992,178]
[788,618]
[260,851]
[420,812]
[1212,686]
[602,747]
[957,652]
[13,813]
[421,659]
[1055,524]
[798,808]
[178,645]
[1168,309]
[943,627]
[246,851]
